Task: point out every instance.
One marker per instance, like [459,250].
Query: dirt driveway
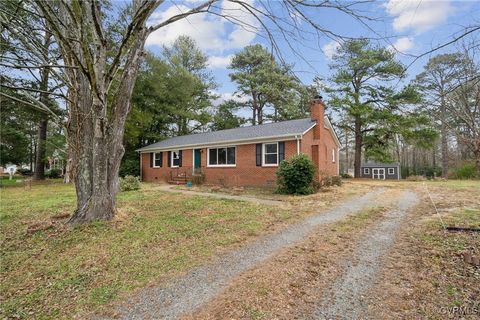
[328,266]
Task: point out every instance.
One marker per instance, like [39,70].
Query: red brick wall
[245,173]
[324,146]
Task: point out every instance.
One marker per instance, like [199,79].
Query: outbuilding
[381,171]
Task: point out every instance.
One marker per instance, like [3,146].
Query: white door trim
[378,174]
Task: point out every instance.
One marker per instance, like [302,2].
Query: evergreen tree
[267,83]
[364,96]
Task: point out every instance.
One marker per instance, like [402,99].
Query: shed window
[175,158]
[366,170]
[270,154]
[221,156]
[391,170]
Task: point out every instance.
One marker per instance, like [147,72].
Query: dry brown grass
[425,276]
[288,285]
[58,271]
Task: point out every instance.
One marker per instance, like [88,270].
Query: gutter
[222,143]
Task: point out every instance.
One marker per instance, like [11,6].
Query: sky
[410,27]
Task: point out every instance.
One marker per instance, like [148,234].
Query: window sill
[270,165]
[221,166]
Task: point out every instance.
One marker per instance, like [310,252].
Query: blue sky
[410,26]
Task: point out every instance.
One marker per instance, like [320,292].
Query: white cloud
[212,33]
[219,62]
[330,49]
[420,15]
[402,44]
[225,96]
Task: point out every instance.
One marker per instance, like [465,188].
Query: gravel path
[170,188]
[187,293]
[346,299]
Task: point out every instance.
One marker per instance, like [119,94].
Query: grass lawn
[430,277]
[60,272]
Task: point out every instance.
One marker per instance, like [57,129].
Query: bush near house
[129,183]
[295,175]
[130,167]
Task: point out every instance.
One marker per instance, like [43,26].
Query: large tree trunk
[358,147]
[98,151]
[41,147]
[91,154]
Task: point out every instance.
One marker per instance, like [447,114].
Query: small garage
[381,171]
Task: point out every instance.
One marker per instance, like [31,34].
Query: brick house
[245,156]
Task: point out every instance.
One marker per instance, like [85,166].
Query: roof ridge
[254,132]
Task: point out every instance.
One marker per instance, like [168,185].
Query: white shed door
[378,173]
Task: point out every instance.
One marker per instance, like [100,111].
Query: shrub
[130,167]
[24,172]
[295,175]
[345,175]
[465,171]
[53,173]
[129,183]
[327,181]
[337,180]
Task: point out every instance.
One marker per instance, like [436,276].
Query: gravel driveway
[346,298]
[187,293]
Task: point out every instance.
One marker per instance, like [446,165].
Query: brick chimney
[317,113]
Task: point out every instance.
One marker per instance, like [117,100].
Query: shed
[380,171]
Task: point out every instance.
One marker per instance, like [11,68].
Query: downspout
[298,144]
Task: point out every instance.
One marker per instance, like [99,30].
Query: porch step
[179,178]
[176,182]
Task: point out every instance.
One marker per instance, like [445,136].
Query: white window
[366,170]
[157,159]
[175,161]
[270,154]
[333,155]
[391,170]
[224,156]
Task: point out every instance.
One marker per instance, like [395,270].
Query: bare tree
[463,103]
[99,66]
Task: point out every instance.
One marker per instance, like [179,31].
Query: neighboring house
[10,168]
[245,156]
[380,171]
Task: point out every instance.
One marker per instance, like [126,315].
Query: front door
[378,173]
[197,159]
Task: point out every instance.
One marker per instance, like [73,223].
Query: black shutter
[151,160]
[258,148]
[281,151]
[179,158]
[161,159]
[169,160]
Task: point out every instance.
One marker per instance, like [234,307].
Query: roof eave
[291,136]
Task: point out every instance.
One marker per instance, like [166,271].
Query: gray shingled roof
[269,130]
[380,165]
